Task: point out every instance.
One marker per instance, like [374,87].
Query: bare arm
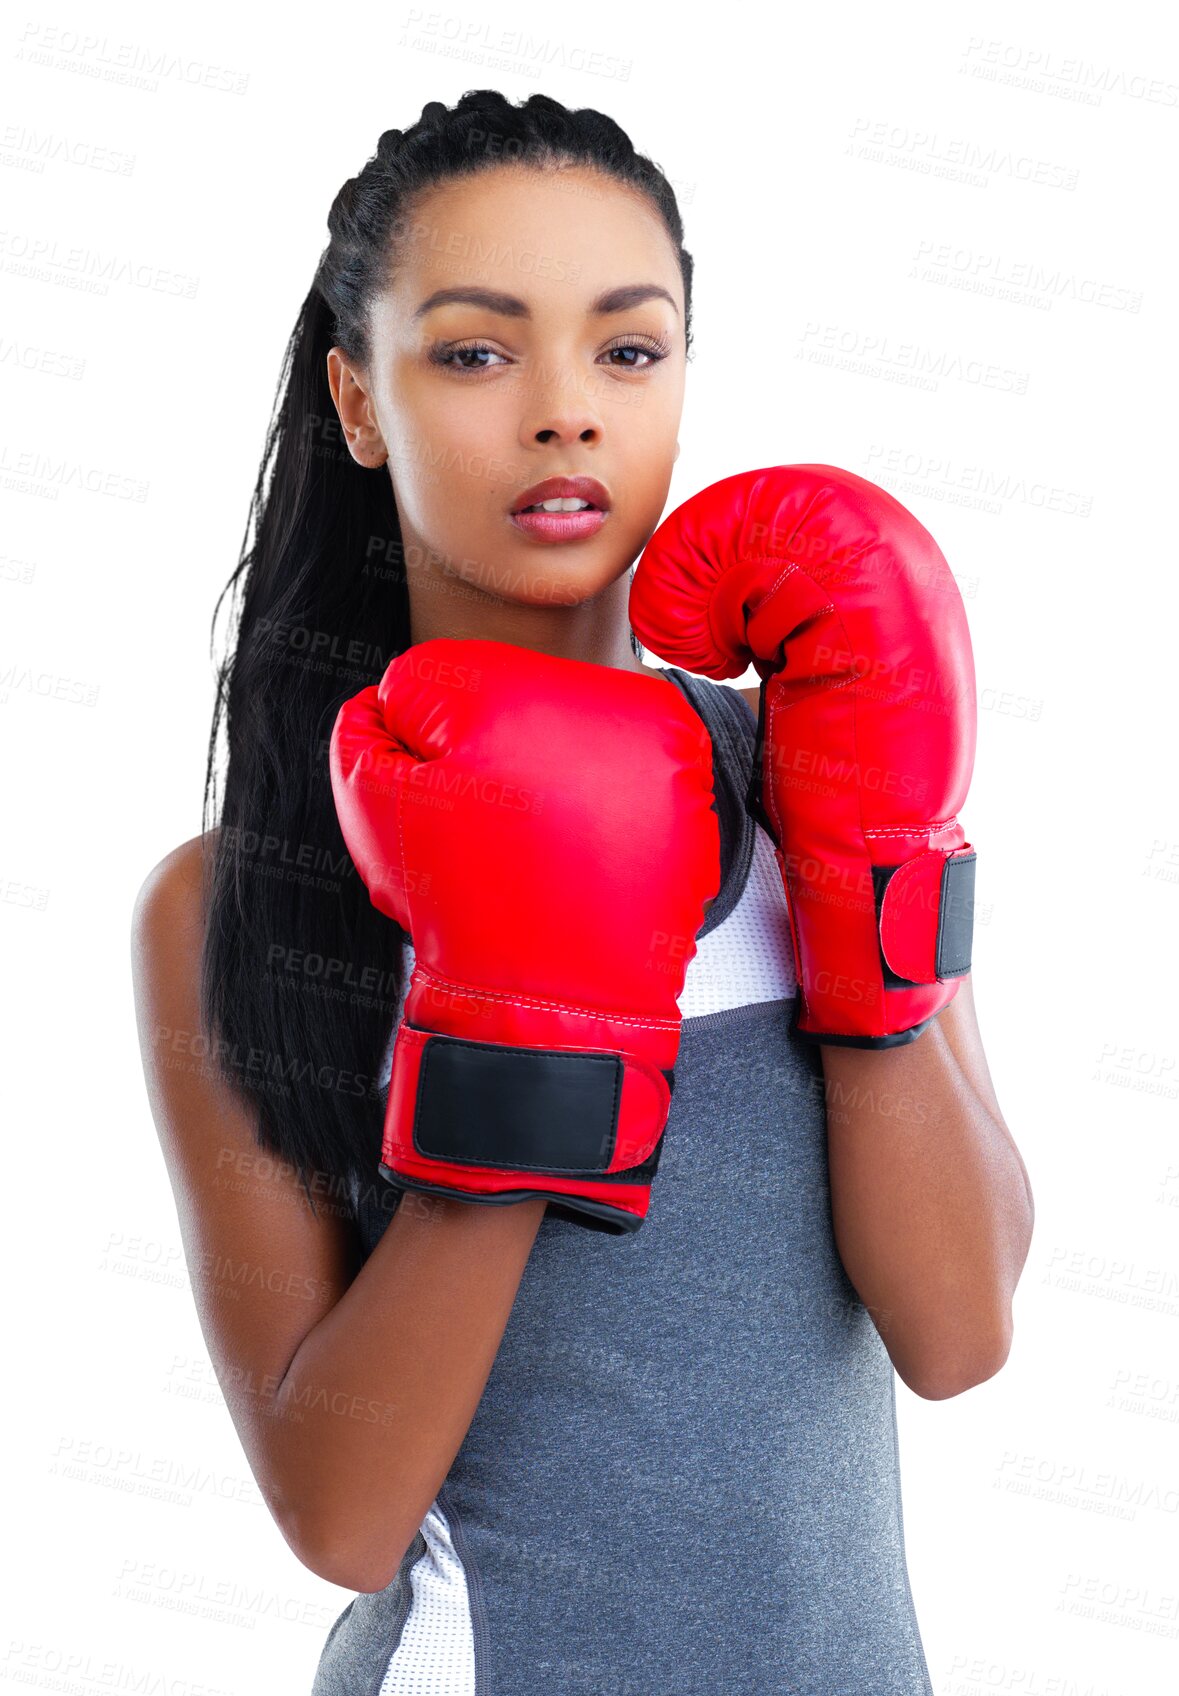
[930,1200]
[351,1385]
[417,1334]
[931,1204]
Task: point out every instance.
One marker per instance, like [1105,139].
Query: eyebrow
[620,299]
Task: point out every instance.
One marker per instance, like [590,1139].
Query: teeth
[566,505]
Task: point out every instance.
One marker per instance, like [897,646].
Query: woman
[546,1457]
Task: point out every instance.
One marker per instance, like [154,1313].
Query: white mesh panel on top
[436,1652]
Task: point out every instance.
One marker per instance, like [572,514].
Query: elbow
[952,1371]
[345,1572]
[334,1565]
[334,1562]
[340,1560]
[310,1548]
[357,1538]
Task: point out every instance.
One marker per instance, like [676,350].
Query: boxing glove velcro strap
[926,915]
[554,1111]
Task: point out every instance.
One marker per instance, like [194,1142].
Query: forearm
[931,1206]
[379,1396]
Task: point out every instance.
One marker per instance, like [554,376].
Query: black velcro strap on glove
[519,1109]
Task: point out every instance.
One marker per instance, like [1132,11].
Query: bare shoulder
[264,1268]
[172,887]
[167,933]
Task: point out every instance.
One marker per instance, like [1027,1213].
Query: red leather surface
[845,605]
[543,829]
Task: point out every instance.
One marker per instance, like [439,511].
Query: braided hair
[300,975]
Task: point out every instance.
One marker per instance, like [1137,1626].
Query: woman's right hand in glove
[544,830]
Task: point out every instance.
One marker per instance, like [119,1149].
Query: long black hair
[300,974]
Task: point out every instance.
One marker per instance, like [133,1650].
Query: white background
[933,245]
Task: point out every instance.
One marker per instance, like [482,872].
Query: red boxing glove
[847,609]
[544,829]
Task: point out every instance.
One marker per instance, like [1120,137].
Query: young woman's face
[571,363]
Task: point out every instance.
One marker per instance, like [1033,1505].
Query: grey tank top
[682,1478]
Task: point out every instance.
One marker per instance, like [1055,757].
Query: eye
[446,353]
[452,356]
[653,350]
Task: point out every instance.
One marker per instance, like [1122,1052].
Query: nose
[564,409]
